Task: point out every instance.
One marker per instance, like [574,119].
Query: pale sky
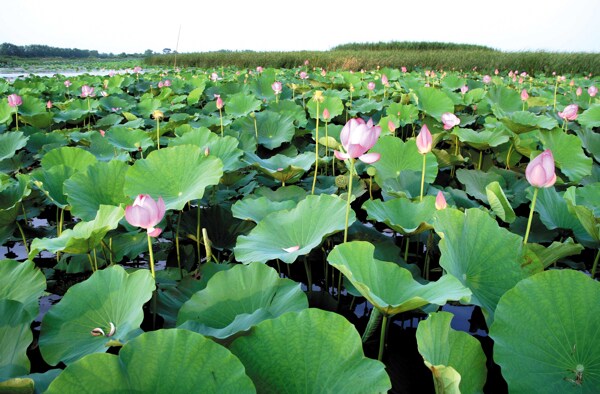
[134,26]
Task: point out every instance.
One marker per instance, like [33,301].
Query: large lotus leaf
[590,141]
[283,168]
[483,139]
[403,215]
[173,361]
[75,110]
[256,209]
[113,101]
[397,156]
[178,174]
[530,120]
[51,183]
[389,287]
[6,112]
[476,181]
[590,117]
[327,356]
[546,334]
[241,104]
[13,192]
[333,104]
[10,143]
[22,282]
[556,251]
[291,109]
[303,227]
[441,347]
[101,184]
[8,217]
[32,106]
[225,148]
[434,102]
[15,337]
[240,298]
[585,207]
[404,114]
[485,257]
[108,296]
[568,153]
[273,129]
[71,157]
[195,94]
[504,100]
[128,139]
[147,105]
[84,236]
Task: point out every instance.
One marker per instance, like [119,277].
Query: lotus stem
[221,120]
[423,177]
[95,259]
[24,212]
[327,146]
[151,257]
[382,336]
[480,159]
[555,91]
[308,274]
[17,118]
[535,193]
[198,234]
[312,191]
[157,133]
[593,273]
[207,248]
[508,156]
[278,267]
[23,237]
[349,199]
[255,128]
[89,114]
[177,244]
[91,262]
[406,249]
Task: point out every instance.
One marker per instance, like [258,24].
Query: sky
[263,25]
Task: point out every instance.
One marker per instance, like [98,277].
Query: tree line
[36,51]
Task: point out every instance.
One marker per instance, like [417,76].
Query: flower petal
[370,158]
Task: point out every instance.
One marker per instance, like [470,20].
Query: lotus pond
[300,230]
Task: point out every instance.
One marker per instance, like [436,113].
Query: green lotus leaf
[403,215]
[476,181]
[273,129]
[557,346]
[100,184]
[12,192]
[71,157]
[333,104]
[158,361]
[6,112]
[504,100]
[441,347]
[556,251]
[51,183]
[485,257]
[8,218]
[240,298]
[84,236]
[327,351]
[483,139]
[108,296]
[112,101]
[290,109]
[241,104]
[22,282]
[568,154]
[397,155]
[32,106]
[225,148]
[195,94]
[10,143]
[389,287]
[526,118]
[590,141]
[404,114]
[15,338]
[499,203]
[304,227]
[256,209]
[585,207]
[177,174]
[76,110]
[128,139]
[147,105]
[434,102]
[590,117]
[32,383]
[283,168]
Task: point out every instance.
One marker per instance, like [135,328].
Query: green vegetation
[409,46]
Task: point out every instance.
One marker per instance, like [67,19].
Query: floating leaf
[256,209]
[557,346]
[129,139]
[153,362]
[241,104]
[556,251]
[108,296]
[76,158]
[240,298]
[306,225]
[483,139]
[328,355]
[446,352]
[434,102]
[283,168]
[403,215]
[590,117]
[397,155]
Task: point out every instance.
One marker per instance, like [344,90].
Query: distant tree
[148,52]
[166,51]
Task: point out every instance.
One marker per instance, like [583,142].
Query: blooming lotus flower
[524,95]
[87,91]
[449,120]
[137,69]
[570,112]
[592,91]
[371,85]
[403,69]
[487,79]
[277,87]
[259,69]
[112,73]
[464,89]
[67,83]
[214,77]
[303,75]
[440,201]
[14,100]
[384,80]
[167,82]
[424,140]
[540,171]
[357,137]
[306,62]
[160,84]
[146,213]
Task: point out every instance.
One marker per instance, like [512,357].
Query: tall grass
[409,46]
[485,60]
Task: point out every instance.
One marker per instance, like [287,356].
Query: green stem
[95,259]
[221,119]
[23,237]
[382,337]
[349,199]
[480,159]
[308,274]
[151,257]
[177,244]
[24,212]
[255,128]
[157,133]
[508,156]
[198,233]
[535,193]
[17,118]
[406,249]
[593,274]
[91,262]
[89,114]
[312,191]
[423,177]
[555,91]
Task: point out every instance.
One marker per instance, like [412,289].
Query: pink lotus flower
[371,85]
[326,114]
[146,213]
[391,126]
[112,73]
[578,91]
[87,91]
[214,77]
[524,95]
[424,140]
[496,72]
[570,112]
[14,100]
[323,72]
[137,69]
[277,87]
[160,84]
[219,101]
[357,138]
[449,120]
[487,79]
[440,201]
[306,62]
[259,69]
[592,91]
[167,82]
[464,89]
[67,83]
[403,69]
[540,171]
[384,80]
[102,133]
[303,75]
[49,104]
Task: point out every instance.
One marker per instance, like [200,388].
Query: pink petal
[154,231]
[370,158]
[291,248]
[340,156]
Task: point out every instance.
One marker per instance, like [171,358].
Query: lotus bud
[578,91]
[524,95]
[440,201]
[540,171]
[424,140]
[570,112]
[14,100]
[371,85]
[206,151]
[158,114]
[487,79]
[326,114]
[592,91]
